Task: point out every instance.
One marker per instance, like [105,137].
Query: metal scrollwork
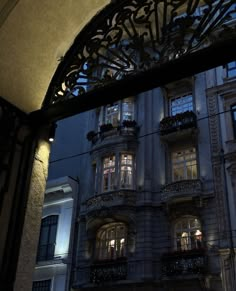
[132,36]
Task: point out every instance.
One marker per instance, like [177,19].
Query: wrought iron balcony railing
[106,271]
[184,263]
[178,122]
[180,189]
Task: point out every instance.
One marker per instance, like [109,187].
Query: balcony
[192,262]
[179,126]
[128,128]
[108,271]
[111,199]
[181,189]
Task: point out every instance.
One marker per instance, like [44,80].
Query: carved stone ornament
[129,36]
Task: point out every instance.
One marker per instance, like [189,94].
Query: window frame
[118,167]
[230,72]
[111,171]
[110,247]
[233,119]
[46,251]
[183,163]
[103,117]
[193,236]
[182,96]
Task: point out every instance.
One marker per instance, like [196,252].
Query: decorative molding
[111,199]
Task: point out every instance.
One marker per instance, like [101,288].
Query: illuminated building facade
[156,171]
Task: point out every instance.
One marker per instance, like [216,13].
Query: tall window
[111,241]
[118,174]
[188,234]
[233,112]
[44,285]
[181,104]
[112,114]
[126,172]
[184,164]
[117,112]
[231,69]
[109,173]
[47,238]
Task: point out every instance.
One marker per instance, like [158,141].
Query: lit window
[126,172]
[117,112]
[233,112]
[44,285]
[109,173]
[188,234]
[181,104]
[112,114]
[111,241]
[47,238]
[231,69]
[128,109]
[122,178]
[184,164]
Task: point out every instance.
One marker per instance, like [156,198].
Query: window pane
[188,234]
[231,69]
[112,114]
[109,173]
[42,285]
[128,109]
[126,171]
[184,164]
[47,239]
[111,245]
[181,104]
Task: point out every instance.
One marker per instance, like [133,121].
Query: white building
[54,259]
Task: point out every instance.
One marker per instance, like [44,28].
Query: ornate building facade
[157,187]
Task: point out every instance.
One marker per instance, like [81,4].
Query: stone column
[33,214]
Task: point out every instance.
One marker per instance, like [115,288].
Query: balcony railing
[127,128]
[184,263]
[116,198]
[178,122]
[108,271]
[181,188]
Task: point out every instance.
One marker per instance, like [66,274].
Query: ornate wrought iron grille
[130,36]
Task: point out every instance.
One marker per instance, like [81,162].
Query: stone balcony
[179,126]
[108,271]
[192,262]
[111,199]
[184,189]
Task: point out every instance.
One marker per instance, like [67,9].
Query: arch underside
[145,40]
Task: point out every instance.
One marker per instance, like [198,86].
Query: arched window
[188,234]
[111,241]
[47,238]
